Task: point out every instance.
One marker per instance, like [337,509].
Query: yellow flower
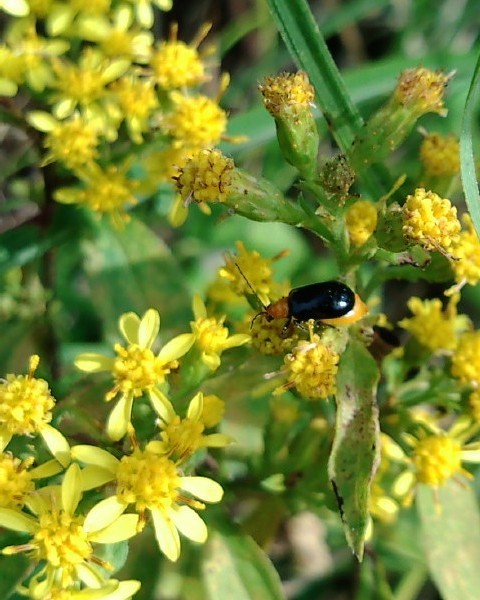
[422,90]
[16,481]
[115,36]
[61,541]
[311,368]
[430,221]
[248,272]
[361,221]
[27,58]
[176,64]
[288,92]
[136,369]
[269,338]
[440,155]
[211,337]
[111,589]
[183,437]
[466,253]
[72,142]
[84,83]
[137,101]
[25,409]
[206,176]
[195,121]
[151,481]
[466,359]
[436,456]
[434,328]
[107,191]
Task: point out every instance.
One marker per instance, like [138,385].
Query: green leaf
[355,452]
[132,270]
[467,157]
[233,566]
[450,524]
[14,569]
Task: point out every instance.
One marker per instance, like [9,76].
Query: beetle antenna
[251,287]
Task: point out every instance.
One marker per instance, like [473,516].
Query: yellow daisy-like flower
[176,64]
[466,359]
[431,221]
[137,101]
[466,253]
[268,336]
[436,456]
[195,121]
[211,337]
[288,92]
[72,142]
[26,409]
[248,272]
[361,221]
[61,541]
[149,480]
[311,368]
[84,84]
[108,191]
[136,369]
[440,155]
[115,36]
[433,327]
[422,90]
[61,15]
[183,437]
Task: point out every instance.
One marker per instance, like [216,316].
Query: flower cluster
[102,87]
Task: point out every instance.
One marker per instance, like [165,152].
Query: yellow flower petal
[190,524]
[91,455]
[91,362]
[403,484]
[47,469]
[71,489]
[129,324]
[161,405]
[119,418]
[195,408]
[203,488]
[236,340]
[5,438]
[41,120]
[211,360]
[166,534]
[18,521]
[149,328]
[176,347]
[17,8]
[103,514]
[216,440]
[121,529]
[93,477]
[199,308]
[56,443]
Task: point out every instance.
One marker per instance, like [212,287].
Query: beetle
[331,302]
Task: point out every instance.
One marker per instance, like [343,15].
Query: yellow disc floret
[361,221]
[431,221]
[312,368]
[15,480]
[436,458]
[466,253]
[25,402]
[287,92]
[440,155]
[422,90]
[195,122]
[138,370]
[433,327]
[466,358]
[205,177]
[73,142]
[175,65]
[148,480]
